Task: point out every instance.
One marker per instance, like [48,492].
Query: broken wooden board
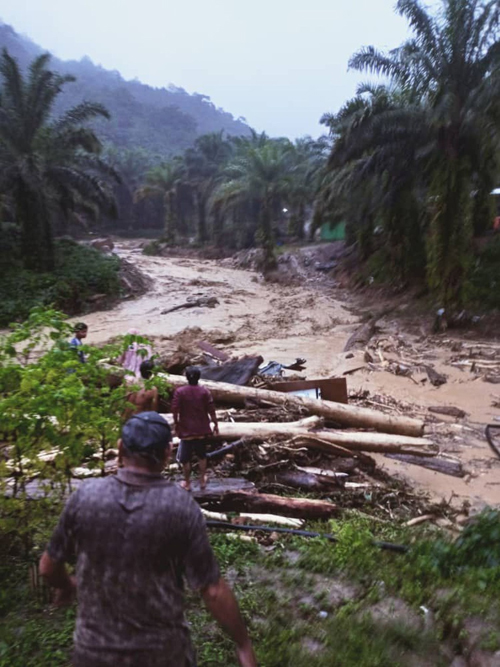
[333,389]
[213,351]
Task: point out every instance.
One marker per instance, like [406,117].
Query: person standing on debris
[192,408]
[80,332]
[135,536]
[143,400]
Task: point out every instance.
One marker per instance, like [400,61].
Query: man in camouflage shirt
[135,536]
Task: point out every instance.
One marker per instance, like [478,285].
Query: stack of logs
[357,430]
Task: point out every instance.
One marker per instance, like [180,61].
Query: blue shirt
[76,342]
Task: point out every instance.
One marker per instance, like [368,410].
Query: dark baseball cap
[146,433]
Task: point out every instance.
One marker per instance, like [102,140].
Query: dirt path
[314,321]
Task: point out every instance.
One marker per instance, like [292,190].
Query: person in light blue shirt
[81,331]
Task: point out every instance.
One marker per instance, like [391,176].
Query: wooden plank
[332,389]
[213,351]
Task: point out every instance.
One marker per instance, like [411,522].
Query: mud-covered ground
[307,314]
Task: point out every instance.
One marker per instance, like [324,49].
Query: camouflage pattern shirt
[135,536]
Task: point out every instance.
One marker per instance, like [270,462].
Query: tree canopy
[48,166]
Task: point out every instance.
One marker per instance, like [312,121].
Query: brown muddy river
[314,321]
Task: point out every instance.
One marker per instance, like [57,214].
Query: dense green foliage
[237,193]
[57,414]
[47,167]
[80,273]
[418,157]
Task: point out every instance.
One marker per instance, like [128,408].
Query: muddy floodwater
[314,320]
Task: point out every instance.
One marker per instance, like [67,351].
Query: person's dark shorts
[187,448]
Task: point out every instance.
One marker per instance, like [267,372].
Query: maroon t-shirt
[192,407]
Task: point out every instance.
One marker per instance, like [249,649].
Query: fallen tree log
[202,302]
[444,466]
[244,501]
[297,479]
[333,450]
[347,415]
[324,438]
[361,337]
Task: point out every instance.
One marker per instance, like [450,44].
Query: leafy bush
[81,272]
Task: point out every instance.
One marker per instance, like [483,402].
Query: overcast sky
[279,63]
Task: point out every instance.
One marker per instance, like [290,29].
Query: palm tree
[307,162]
[132,165]
[163,181]
[451,65]
[46,165]
[260,175]
[204,164]
[373,172]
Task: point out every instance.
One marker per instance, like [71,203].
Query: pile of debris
[482,359]
[280,434]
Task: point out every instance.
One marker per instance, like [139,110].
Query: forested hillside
[160,120]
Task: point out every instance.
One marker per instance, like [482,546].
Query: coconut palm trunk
[36,235]
[267,235]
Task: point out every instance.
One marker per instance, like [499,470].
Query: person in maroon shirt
[192,408]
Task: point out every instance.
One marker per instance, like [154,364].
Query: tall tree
[163,181]
[452,66]
[46,165]
[259,177]
[204,163]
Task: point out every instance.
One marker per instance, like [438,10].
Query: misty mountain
[161,120]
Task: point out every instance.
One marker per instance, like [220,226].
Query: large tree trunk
[36,234]
[266,231]
[170,229]
[202,217]
[218,227]
[346,415]
[368,442]
[244,501]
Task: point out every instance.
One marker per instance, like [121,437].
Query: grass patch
[318,612]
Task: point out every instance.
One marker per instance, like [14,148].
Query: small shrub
[80,273]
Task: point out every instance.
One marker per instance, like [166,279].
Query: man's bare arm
[213,415]
[56,575]
[154,399]
[222,604]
